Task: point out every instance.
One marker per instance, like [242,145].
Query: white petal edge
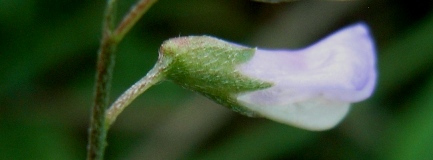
[315,114]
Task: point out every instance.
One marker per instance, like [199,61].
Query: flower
[310,88]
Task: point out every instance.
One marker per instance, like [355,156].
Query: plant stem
[152,77]
[105,64]
[131,18]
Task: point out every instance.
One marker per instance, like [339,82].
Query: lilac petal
[339,69]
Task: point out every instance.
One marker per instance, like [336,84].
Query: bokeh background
[47,69]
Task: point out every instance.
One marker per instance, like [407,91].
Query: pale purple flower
[313,87]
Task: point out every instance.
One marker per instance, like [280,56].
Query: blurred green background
[47,69]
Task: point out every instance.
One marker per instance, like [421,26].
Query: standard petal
[339,67]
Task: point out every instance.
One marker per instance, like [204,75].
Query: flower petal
[324,77]
[314,114]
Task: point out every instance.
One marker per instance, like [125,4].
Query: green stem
[105,64]
[154,76]
[131,18]
[98,131]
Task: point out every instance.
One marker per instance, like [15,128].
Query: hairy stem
[105,64]
[152,77]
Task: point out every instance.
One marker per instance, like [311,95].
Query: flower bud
[311,88]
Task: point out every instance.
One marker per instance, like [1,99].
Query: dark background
[47,69]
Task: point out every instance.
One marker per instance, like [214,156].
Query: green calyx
[208,65]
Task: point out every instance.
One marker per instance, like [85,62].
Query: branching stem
[104,74]
[105,64]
